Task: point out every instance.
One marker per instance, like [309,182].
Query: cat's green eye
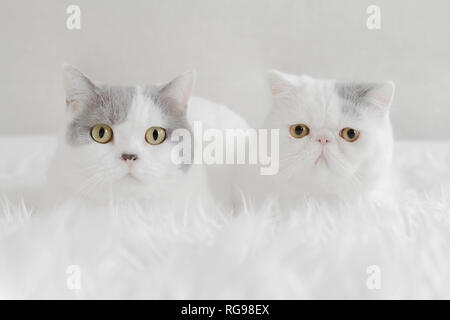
[349,134]
[155,135]
[299,130]
[101,133]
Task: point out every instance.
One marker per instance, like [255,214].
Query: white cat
[335,140]
[116,143]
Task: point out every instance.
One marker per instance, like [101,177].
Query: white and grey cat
[116,143]
[336,140]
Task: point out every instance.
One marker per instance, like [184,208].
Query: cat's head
[335,137]
[117,138]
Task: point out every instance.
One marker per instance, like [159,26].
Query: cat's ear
[279,82]
[78,88]
[379,95]
[175,95]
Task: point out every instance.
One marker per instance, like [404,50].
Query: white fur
[318,251]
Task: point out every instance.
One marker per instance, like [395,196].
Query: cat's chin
[130,178]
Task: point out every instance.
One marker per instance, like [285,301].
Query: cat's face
[117,139]
[334,137]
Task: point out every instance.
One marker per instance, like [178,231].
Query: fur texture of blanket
[316,251]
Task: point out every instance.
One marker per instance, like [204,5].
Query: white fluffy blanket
[315,252]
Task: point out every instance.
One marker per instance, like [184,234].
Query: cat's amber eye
[101,133]
[349,134]
[155,135]
[299,130]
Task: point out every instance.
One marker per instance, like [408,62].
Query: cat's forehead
[318,101]
[332,101]
[144,112]
[317,93]
[123,104]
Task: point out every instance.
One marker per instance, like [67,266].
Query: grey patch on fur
[355,96]
[175,119]
[106,104]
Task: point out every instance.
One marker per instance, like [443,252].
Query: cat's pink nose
[128,157]
[323,140]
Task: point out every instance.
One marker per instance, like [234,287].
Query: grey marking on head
[106,104]
[355,96]
[175,120]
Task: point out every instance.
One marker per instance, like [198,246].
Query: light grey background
[231,44]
